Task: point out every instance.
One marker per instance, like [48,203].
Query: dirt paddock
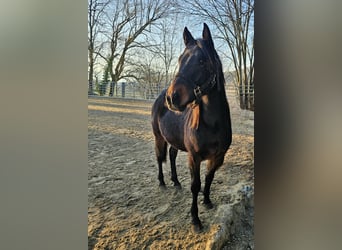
[126,207]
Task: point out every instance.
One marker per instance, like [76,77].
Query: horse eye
[201,62]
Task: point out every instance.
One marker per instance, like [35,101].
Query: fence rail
[129,90]
[136,91]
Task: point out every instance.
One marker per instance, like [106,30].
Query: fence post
[123,85]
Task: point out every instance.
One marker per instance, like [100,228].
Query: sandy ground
[126,207]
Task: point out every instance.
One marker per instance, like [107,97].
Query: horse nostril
[175,97]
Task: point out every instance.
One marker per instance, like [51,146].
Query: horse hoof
[197,228]
[162,186]
[178,186]
[208,205]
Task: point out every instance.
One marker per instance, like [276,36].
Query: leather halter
[203,89]
[200,90]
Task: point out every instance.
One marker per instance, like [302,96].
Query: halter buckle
[198,92]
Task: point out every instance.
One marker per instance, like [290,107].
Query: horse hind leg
[212,166]
[173,154]
[160,149]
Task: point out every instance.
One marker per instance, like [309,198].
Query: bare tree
[166,49]
[233,19]
[153,63]
[148,72]
[95,10]
[127,21]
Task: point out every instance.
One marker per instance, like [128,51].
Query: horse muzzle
[173,101]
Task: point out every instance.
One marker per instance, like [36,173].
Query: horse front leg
[212,166]
[194,164]
[173,154]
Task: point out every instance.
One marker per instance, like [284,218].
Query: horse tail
[158,109]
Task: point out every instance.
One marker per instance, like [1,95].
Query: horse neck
[215,98]
[214,106]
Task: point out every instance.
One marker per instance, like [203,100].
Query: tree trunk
[91,72]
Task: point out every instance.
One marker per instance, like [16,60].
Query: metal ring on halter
[198,92]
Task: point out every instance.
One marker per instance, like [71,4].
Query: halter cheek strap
[202,90]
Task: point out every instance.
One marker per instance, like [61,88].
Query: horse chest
[206,142]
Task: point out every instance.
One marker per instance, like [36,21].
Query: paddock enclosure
[126,207]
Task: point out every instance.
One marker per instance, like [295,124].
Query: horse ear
[188,38]
[207,35]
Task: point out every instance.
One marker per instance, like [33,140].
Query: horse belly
[172,129]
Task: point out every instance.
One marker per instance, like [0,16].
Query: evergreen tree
[105,80]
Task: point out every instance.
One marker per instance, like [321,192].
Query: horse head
[197,71]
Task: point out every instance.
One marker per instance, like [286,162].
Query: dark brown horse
[193,115]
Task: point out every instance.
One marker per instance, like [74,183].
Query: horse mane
[216,62]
